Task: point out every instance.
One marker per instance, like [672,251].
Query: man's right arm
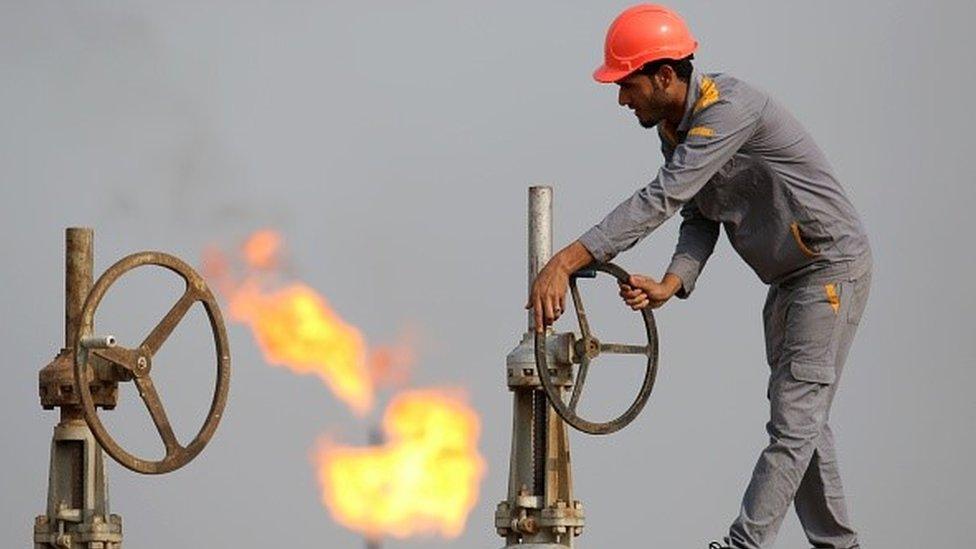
[696,241]
[548,294]
[719,130]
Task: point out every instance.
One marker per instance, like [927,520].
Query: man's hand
[548,296]
[643,291]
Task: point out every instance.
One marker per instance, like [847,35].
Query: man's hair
[682,67]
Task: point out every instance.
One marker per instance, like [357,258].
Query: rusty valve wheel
[588,348]
[136,364]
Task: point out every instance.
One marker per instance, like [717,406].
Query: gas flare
[293,324]
[424,480]
[296,328]
[261,251]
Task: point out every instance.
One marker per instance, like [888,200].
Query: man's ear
[666,76]
[662,78]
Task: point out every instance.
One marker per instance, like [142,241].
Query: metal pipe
[98,342]
[540,234]
[79,263]
[375,438]
[78,281]
[540,249]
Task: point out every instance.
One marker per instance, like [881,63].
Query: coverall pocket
[823,374]
[802,241]
[811,327]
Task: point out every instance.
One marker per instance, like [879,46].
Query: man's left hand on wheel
[643,291]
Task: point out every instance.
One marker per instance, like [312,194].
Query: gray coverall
[740,160]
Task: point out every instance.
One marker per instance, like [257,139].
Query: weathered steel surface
[587,348]
[56,381]
[77,515]
[540,512]
[539,235]
[79,263]
[56,387]
[520,362]
[136,364]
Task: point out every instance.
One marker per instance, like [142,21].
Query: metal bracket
[520,363]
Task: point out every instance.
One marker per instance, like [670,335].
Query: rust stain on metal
[122,364]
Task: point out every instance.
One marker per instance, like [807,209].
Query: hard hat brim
[606,75]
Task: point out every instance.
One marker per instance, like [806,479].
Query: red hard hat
[641,34]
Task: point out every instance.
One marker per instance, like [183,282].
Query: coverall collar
[694,90]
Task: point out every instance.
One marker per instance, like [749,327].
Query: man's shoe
[717,545]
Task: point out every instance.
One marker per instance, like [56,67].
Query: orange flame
[294,326]
[424,480]
[262,248]
[389,365]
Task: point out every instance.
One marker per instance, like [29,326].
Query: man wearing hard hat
[735,158]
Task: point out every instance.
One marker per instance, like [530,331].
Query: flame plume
[424,480]
[294,326]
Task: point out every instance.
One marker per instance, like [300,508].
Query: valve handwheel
[588,348]
[136,364]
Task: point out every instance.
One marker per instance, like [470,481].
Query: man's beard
[650,122]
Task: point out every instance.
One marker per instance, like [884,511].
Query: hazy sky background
[392,144]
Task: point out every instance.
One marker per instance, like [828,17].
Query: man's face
[645,95]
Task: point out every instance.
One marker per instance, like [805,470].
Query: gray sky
[392,144]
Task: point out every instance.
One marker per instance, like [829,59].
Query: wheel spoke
[621,349]
[588,347]
[162,331]
[120,356]
[578,384]
[580,312]
[147,390]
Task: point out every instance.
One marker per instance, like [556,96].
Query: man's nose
[621,98]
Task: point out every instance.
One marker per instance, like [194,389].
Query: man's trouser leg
[820,501]
[809,329]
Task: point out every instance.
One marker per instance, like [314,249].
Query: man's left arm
[696,241]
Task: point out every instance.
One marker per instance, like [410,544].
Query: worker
[735,158]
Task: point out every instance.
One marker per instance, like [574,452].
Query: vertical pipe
[540,234]
[78,266]
[540,249]
[375,438]
[78,278]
